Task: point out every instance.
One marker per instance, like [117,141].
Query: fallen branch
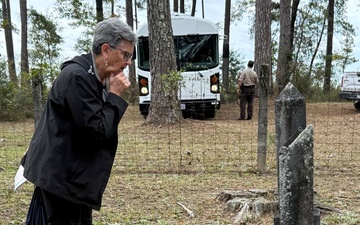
[191,214]
[323,208]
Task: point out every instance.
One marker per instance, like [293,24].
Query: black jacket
[73,147]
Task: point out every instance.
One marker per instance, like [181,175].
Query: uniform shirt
[248,77]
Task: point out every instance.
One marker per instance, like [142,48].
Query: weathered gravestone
[294,149]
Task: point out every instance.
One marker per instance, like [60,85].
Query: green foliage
[311,87]
[15,103]
[44,39]
[83,14]
[309,45]
[240,8]
[172,81]
[44,48]
[79,14]
[236,64]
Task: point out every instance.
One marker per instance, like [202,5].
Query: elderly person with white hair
[72,151]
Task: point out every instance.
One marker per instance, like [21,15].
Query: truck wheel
[185,114]
[357,105]
[210,114]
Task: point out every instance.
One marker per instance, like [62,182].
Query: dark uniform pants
[247,97]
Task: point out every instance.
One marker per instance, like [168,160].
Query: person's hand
[118,83]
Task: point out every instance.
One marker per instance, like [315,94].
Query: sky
[239,34]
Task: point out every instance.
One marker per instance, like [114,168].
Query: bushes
[15,103]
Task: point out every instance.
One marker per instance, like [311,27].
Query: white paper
[19,178]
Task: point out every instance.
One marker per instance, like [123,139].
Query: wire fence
[217,147]
[211,145]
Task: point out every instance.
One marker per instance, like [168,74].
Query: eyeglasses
[127,55]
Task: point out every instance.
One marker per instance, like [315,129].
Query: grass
[192,162]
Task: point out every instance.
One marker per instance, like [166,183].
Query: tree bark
[263,57]
[24,48]
[9,41]
[329,47]
[226,42]
[164,107]
[294,10]
[132,72]
[99,11]
[263,35]
[284,56]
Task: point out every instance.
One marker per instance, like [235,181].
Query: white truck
[350,88]
[196,43]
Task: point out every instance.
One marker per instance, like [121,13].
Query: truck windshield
[193,52]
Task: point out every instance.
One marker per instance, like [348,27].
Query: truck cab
[350,88]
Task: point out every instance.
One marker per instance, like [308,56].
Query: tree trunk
[9,40]
[132,72]
[294,10]
[24,48]
[99,10]
[113,7]
[316,50]
[226,42]
[263,35]
[193,9]
[284,56]
[263,58]
[329,47]
[164,107]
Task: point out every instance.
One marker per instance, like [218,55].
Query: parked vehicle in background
[196,43]
[350,88]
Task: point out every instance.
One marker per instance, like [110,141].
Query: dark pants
[247,97]
[62,212]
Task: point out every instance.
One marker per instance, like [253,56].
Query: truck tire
[357,105]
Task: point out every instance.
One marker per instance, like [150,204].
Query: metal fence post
[263,117]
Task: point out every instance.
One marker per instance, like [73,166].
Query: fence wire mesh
[211,145]
[220,145]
